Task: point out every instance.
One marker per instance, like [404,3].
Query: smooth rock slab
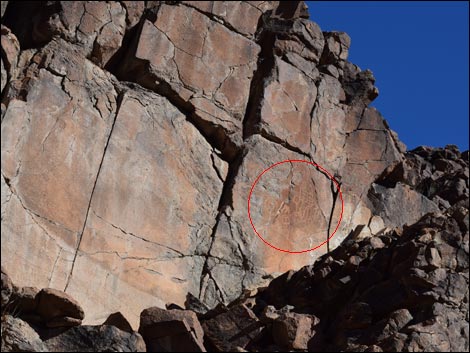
[287,105]
[53,141]
[152,212]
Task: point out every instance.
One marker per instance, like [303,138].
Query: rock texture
[132,135]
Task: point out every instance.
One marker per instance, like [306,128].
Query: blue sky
[418,52]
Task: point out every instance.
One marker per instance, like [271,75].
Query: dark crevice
[335,194]
[7,181]
[80,236]
[205,267]
[28,21]
[217,19]
[126,46]
[117,63]
[283,143]
[226,200]
[264,68]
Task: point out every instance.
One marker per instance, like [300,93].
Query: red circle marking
[298,161]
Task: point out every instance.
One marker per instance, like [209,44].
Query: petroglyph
[290,203]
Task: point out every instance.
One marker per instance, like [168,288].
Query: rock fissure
[80,235]
[179,253]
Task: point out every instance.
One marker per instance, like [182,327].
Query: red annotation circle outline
[296,161]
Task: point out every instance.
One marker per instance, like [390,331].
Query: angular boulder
[171,330]
[18,336]
[53,304]
[96,339]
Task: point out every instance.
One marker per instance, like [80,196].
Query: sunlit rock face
[132,134]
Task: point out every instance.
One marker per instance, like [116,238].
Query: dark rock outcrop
[96,339]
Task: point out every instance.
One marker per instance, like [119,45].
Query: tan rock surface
[188,57]
[132,194]
[293,196]
[149,228]
[52,145]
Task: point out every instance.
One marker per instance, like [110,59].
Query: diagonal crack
[219,19]
[138,236]
[226,200]
[54,266]
[119,101]
[33,214]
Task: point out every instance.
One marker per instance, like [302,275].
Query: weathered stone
[242,16]
[6,289]
[376,243]
[336,48]
[301,37]
[48,171]
[10,52]
[160,258]
[26,299]
[97,26]
[286,107]
[4,78]
[10,49]
[302,212]
[236,327]
[194,304]
[63,321]
[18,336]
[433,257]
[289,10]
[4,7]
[53,304]
[134,11]
[118,320]
[130,197]
[171,330]
[400,205]
[376,225]
[197,66]
[294,331]
[269,314]
[96,339]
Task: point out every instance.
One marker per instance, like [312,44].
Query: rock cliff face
[132,134]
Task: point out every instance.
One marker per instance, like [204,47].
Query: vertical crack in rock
[226,200]
[119,100]
[264,66]
[335,194]
[315,107]
[205,267]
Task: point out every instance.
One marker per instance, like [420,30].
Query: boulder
[54,304]
[236,327]
[6,289]
[294,331]
[118,320]
[96,339]
[171,330]
[18,336]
